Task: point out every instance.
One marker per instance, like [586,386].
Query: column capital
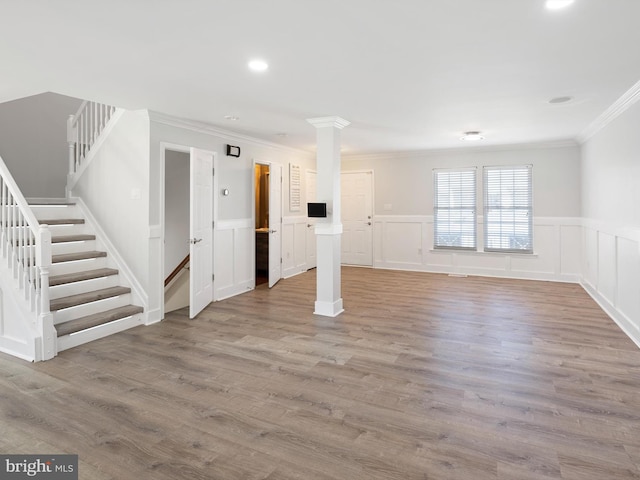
[334,121]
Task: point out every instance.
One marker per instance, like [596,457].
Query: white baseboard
[626,325]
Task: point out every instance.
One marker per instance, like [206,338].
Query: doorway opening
[187,228]
[176,227]
[262,223]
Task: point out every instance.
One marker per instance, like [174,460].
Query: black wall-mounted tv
[316,210]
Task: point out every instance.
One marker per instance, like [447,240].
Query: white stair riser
[78,266]
[85,286]
[90,308]
[73,247]
[80,338]
[68,247]
[55,211]
[68,229]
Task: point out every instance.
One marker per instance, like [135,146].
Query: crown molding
[228,135]
[565,143]
[322,122]
[610,114]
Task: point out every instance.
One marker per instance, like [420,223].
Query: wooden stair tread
[72,238]
[88,297]
[61,221]
[70,257]
[80,276]
[96,319]
[35,202]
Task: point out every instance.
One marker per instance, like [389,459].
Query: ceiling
[408,74]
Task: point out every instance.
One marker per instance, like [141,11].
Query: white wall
[234,233]
[115,188]
[33,142]
[611,210]
[176,216]
[403,212]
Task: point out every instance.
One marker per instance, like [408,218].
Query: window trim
[473,209]
[528,207]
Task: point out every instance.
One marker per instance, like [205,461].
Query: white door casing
[201,231]
[275,224]
[311,184]
[357,218]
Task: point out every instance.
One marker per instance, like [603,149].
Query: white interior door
[357,218]
[275,224]
[201,231]
[311,183]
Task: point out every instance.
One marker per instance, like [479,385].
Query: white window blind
[455,209]
[508,209]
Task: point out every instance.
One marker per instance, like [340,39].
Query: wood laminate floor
[424,376]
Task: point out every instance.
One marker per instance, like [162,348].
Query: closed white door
[311,182]
[275,224]
[357,218]
[201,231]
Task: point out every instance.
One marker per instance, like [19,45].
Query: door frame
[253,213]
[164,146]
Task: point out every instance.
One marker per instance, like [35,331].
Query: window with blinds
[454,209]
[508,209]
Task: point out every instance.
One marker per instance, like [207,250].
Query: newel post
[43,260]
[71,141]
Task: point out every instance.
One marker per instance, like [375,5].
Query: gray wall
[405,182]
[176,213]
[33,142]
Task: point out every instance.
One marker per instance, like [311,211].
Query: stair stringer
[18,332]
[116,260]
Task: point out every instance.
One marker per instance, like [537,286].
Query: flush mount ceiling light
[231,118]
[473,136]
[557,4]
[258,65]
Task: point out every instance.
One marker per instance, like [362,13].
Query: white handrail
[84,128]
[25,246]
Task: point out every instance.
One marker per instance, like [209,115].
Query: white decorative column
[328,230]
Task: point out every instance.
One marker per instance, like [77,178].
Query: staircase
[87,297]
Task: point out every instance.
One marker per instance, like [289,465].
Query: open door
[275,224]
[201,231]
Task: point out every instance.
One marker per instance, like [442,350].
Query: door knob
[273,231]
[193,241]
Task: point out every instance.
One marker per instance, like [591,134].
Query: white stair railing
[84,129]
[25,249]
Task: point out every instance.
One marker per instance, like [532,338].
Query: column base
[329,309]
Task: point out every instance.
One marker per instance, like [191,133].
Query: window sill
[449,251]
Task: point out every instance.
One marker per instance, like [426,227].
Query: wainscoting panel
[406,242]
[629,278]
[234,262]
[294,245]
[612,273]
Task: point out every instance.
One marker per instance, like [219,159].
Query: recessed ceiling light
[231,118]
[258,65]
[557,4]
[473,136]
[557,100]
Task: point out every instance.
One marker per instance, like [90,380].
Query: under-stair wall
[111,189]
